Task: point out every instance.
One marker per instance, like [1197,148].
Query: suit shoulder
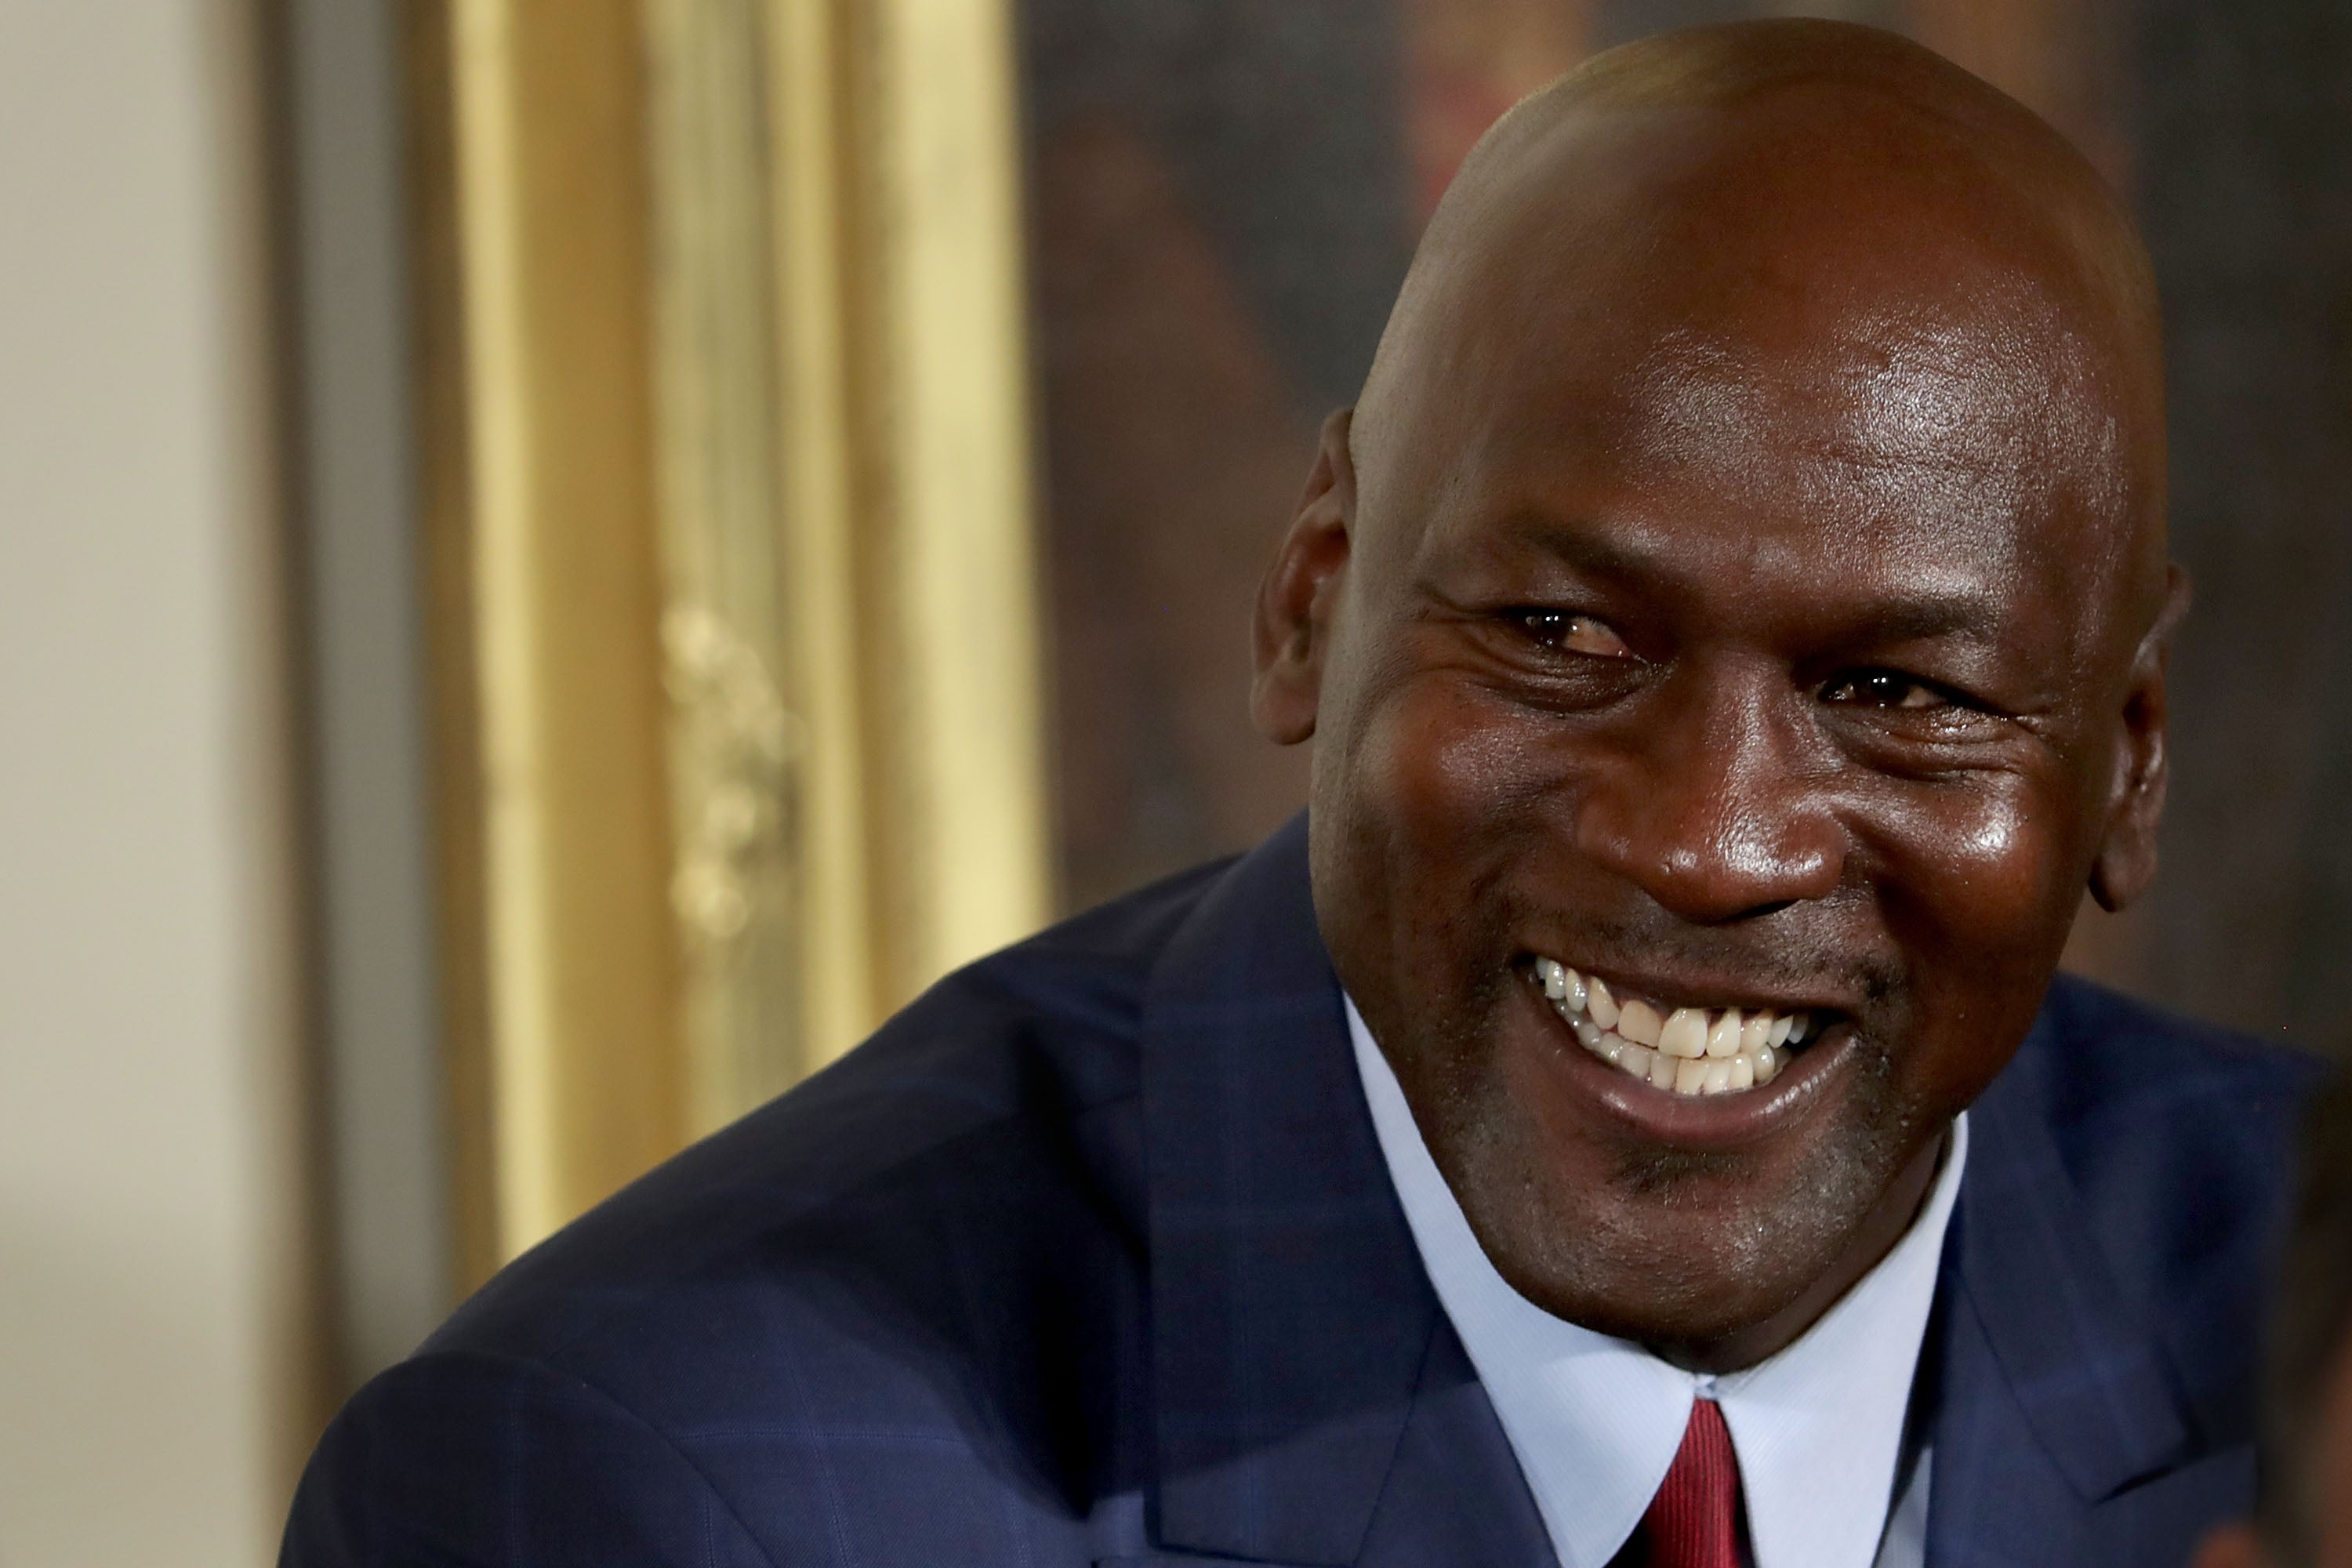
[2179,1138]
[422,1464]
[2113,1065]
[992,1120]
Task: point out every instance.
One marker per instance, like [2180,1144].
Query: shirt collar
[1595,1420]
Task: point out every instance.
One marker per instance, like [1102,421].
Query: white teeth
[1683,1034]
[1723,1040]
[1683,1050]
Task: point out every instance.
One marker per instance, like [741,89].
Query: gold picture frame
[734,606]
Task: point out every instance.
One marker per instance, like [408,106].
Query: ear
[2231,1546]
[2127,858]
[1292,631]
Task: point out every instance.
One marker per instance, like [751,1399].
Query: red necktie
[1692,1522]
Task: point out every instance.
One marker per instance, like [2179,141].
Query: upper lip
[1713,993]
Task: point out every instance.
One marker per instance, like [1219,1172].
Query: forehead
[1813,318]
[1852,407]
[1938,440]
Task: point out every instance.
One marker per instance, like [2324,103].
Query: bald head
[1742,584]
[1712,220]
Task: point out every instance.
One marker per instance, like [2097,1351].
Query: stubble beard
[1672,1246]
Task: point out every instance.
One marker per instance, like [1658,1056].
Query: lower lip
[1699,1122]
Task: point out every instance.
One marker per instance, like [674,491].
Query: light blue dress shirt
[1818,1429]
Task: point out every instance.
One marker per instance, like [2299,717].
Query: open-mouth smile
[1684,1049]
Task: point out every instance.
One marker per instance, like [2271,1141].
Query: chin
[1667,1221]
[1663,1256]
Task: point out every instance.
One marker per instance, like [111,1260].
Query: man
[1731,627]
[2306,1507]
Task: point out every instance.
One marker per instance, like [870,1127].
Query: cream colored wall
[150,1355]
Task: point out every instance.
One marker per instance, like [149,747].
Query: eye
[1884,688]
[1572,633]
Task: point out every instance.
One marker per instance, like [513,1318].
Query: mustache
[1775,956]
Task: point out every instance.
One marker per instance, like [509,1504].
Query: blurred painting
[1223,195]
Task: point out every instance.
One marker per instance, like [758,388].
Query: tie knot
[1692,1522]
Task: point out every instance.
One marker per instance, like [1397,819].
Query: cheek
[1446,769]
[1425,813]
[1979,883]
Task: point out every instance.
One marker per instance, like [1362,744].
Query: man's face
[1744,641]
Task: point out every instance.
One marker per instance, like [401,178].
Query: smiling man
[1631,1119]
[1732,625]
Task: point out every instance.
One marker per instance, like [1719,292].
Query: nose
[1713,803]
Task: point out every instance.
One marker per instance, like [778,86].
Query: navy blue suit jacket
[1090,1256]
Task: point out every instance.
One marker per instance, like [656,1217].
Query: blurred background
[560,558]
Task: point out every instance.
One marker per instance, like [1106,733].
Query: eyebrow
[1923,614]
[1926,616]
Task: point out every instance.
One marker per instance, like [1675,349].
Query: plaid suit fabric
[1090,1257]
[2104,1287]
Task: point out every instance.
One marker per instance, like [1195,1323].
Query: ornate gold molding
[965,853]
[729,518]
[562,979]
[736,750]
[845,440]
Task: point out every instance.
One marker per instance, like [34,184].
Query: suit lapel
[1314,1407]
[1456,1497]
[1297,1341]
[2061,1428]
